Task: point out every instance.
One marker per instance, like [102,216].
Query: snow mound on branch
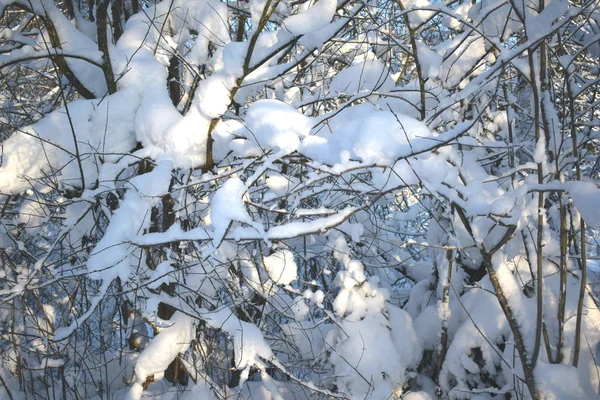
[361,133]
[376,343]
[163,349]
[281,267]
[585,195]
[257,8]
[227,206]
[165,346]
[430,60]
[380,137]
[102,128]
[155,183]
[248,340]
[90,76]
[113,256]
[275,125]
[141,56]
[366,359]
[315,18]
[417,15]
[207,18]
[484,326]
[464,60]
[159,124]
[274,390]
[214,93]
[373,353]
[417,396]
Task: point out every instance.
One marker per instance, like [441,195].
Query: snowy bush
[277,199]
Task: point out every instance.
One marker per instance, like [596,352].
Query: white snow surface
[281,267]
[249,343]
[585,195]
[101,129]
[375,137]
[174,339]
[313,19]
[227,205]
[372,346]
[275,125]
[113,256]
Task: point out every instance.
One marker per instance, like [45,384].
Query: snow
[362,77]
[585,195]
[208,18]
[365,361]
[316,297]
[159,124]
[275,125]
[214,95]
[316,39]
[296,229]
[485,317]
[71,39]
[48,145]
[429,60]
[380,137]
[417,16]
[255,232]
[227,205]
[561,382]
[317,242]
[404,336]
[281,267]
[279,185]
[464,57]
[263,49]
[249,343]
[162,350]
[420,395]
[274,390]
[371,353]
[160,275]
[156,183]
[257,8]
[113,256]
[315,18]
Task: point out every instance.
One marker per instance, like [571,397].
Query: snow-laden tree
[299,199]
